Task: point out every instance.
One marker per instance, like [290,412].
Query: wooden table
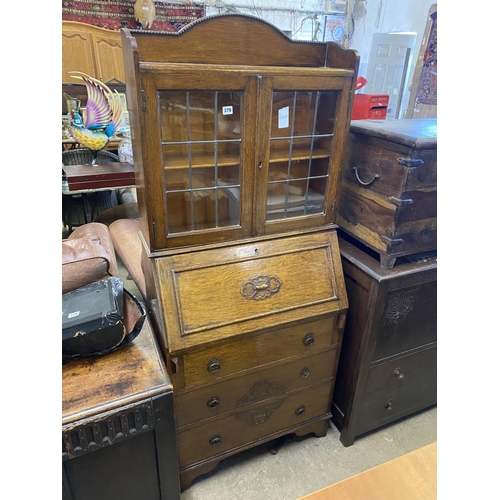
[87,179]
[410,477]
[118,428]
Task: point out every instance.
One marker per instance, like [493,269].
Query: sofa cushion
[87,256]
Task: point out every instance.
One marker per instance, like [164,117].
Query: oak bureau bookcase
[239,137]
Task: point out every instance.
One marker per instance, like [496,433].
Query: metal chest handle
[364,183]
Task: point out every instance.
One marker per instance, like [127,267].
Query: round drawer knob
[398,373]
[388,404]
[305,372]
[300,410]
[308,339]
[215,441]
[213,365]
[213,402]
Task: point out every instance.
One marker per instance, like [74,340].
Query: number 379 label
[227,110]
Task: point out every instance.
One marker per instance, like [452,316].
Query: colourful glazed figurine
[102,118]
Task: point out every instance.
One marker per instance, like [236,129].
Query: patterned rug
[118,14]
[427,86]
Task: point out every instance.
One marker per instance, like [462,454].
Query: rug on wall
[427,86]
[116,14]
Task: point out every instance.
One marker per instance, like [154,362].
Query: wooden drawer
[226,292]
[236,393]
[254,423]
[387,405]
[409,317]
[400,370]
[210,364]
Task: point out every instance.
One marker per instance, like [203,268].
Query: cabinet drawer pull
[397,373]
[364,183]
[215,441]
[305,372]
[213,365]
[213,402]
[300,410]
[308,339]
[388,404]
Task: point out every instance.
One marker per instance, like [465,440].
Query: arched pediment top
[237,39]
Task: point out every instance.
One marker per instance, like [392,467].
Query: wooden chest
[253,335]
[387,368]
[389,188]
[118,428]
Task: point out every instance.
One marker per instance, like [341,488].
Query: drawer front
[381,407]
[402,369]
[216,294]
[236,393]
[252,424]
[209,364]
[409,318]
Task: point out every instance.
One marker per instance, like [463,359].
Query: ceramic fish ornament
[102,117]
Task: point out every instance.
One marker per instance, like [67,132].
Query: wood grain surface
[412,476]
[102,383]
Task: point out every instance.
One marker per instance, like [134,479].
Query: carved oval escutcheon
[261,286]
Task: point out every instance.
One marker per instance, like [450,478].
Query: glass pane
[173,116]
[179,212]
[228,176]
[229,206]
[175,155]
[204,209]
[228,154]
[228,115]
[319,167]
[305,107]
[282,114]
[301,135]
[201,116]
[201,146]
[327,108]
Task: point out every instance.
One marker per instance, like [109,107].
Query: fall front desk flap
[220,293]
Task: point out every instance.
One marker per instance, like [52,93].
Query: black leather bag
[99,318]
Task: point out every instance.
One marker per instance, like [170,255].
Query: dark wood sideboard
[118,428]
[388,362]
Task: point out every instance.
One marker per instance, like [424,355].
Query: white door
[388,67]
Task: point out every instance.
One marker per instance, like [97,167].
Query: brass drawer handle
[364,183]
[308,339]
[213,365]
[215,441]
[388,404]
[305,372]
[300,410]
[397,373]
[213,402]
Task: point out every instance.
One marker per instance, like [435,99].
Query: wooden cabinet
[389,188]
[238,153]
[239,141]
[388,364]
[92,50]
[118,429]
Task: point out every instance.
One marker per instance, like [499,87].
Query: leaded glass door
[298,151]
[206,135]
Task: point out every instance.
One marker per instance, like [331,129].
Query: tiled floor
[306,464]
